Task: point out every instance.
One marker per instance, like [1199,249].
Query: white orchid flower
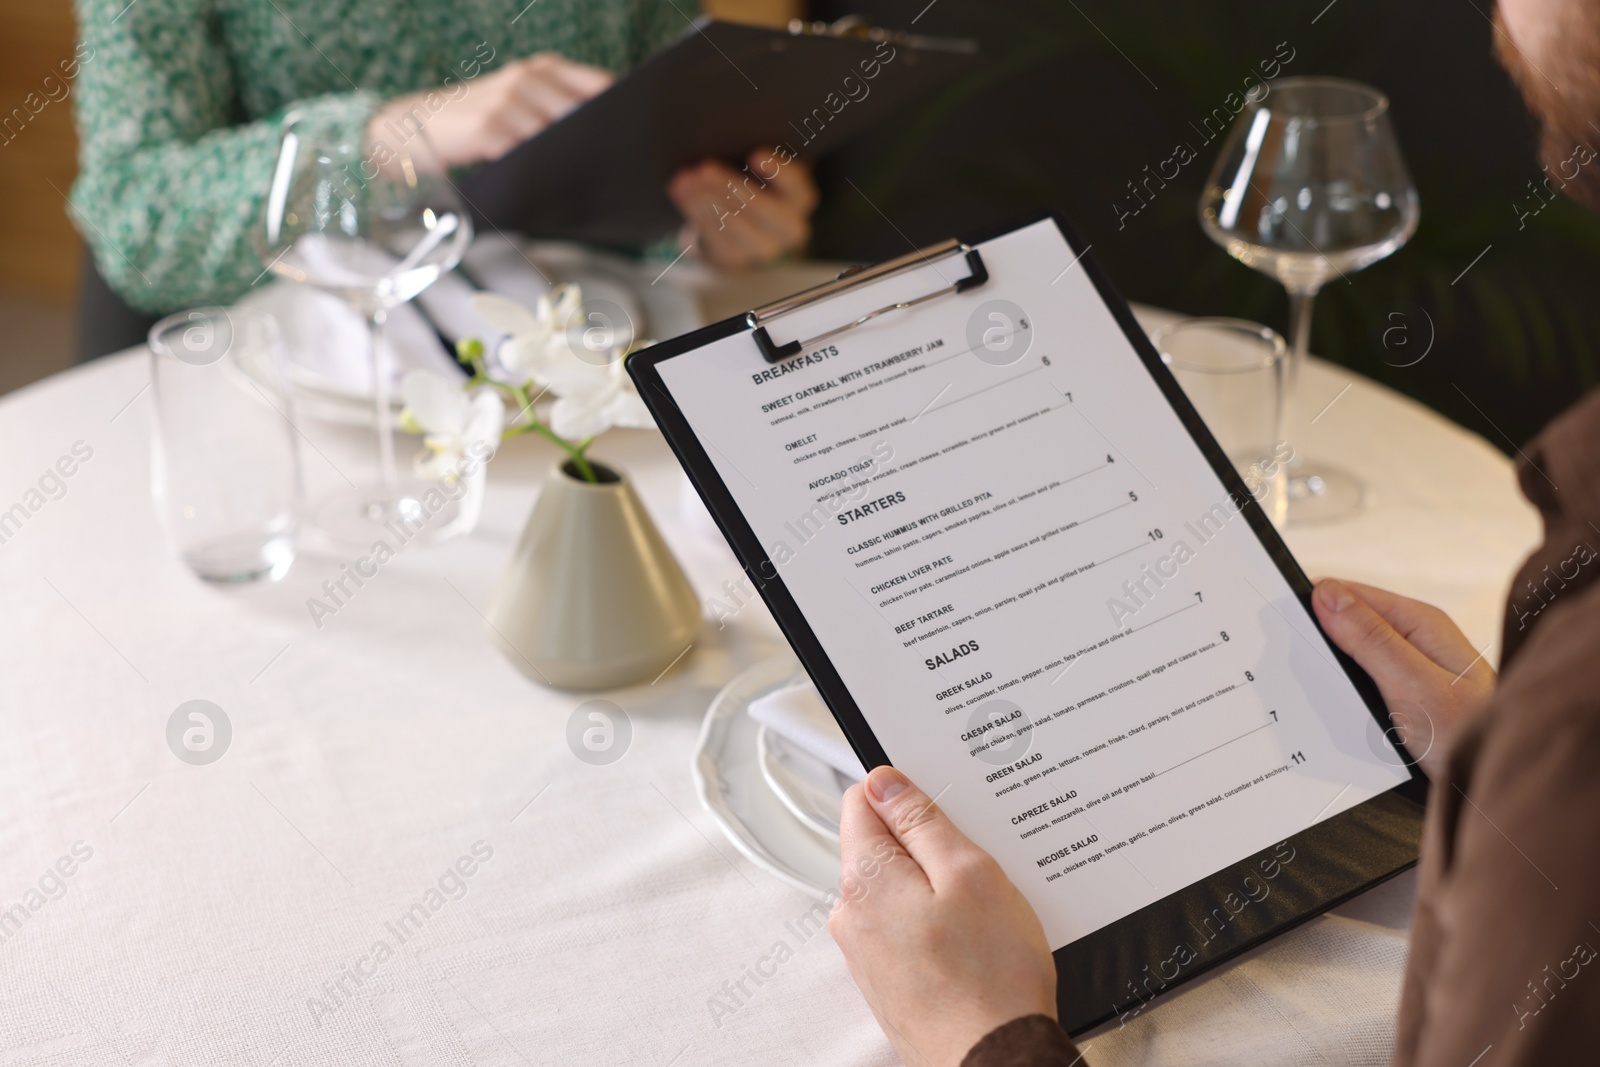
[530,332]
[592,399]
[581,368]
[451,420]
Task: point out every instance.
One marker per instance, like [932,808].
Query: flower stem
[574,452]
[580,460]
[472,354]
[584,467]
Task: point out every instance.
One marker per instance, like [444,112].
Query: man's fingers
[1369,639]
[1432,631]
[918,824]
[866,846]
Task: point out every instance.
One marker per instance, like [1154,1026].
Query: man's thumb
[920,826]
[1366,637]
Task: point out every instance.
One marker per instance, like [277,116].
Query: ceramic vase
[592,598]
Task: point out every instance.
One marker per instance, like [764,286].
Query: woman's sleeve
[170,179]
[658,23]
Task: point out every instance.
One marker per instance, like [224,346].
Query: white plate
[727,775]
[808,787]
[656,305]
[326,342]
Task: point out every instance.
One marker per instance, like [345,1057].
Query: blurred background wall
[39,249]
[1080,96]
[1077,99]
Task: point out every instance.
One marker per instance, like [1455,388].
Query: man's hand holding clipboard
[941,473]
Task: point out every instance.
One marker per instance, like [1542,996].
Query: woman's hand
[483,119]
[739,218]
[1428,672]
[942,945]
[735,218]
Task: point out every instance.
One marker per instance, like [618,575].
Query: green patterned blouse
[179,104]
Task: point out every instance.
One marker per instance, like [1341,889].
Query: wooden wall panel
[39,248]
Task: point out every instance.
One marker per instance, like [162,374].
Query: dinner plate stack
[772,768]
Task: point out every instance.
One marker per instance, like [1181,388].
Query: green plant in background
[1077,100]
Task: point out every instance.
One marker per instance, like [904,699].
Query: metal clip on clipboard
[850,279]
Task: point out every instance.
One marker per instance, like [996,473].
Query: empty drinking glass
[374,220]
[1311,186]
[1234,372]
[224,473]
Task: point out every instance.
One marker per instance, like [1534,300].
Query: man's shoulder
[1546,707]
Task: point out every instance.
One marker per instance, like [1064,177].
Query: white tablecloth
[232,913]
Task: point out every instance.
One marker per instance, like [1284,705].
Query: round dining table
[399,860]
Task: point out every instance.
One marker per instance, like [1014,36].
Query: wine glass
[374,220]
[1311,186]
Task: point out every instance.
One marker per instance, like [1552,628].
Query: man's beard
[1568,110]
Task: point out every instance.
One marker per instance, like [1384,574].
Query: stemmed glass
[373,220]
[1311,186]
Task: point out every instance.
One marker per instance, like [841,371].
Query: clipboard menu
[1019,568]
[720,91]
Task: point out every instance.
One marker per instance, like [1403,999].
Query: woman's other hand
[740,218]
[1428,672]
[942,945]
[483,119]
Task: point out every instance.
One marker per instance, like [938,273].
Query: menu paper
[1040,595]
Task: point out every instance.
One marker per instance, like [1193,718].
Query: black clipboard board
[719,91]
[1115,971]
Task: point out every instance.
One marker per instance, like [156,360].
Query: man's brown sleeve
[1031,1041]
[1503,967]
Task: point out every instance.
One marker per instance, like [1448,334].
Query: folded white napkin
[501,264]
[342,262]
[797,714]
[525,270]
[325,339]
